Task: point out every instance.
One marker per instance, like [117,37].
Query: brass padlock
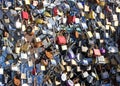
[38,44]
[5,34]
[44,62]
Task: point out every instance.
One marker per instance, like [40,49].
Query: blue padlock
[32,7]
[71,54]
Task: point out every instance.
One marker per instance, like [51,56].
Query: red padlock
[55,11]
[71,19]
[61,40]
[34,71]
[25,15]
[108,9]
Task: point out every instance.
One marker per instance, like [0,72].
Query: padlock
[9,57]
[77,84]
[55,11]
[48,54]
[68,68]
[30,63]
[97,1]
[104,74]
[84,26]
[79,5]
[78,69]
[102,3]
[25,15]
[62,67]
[84,48]
[85,62]
[97,35]
[34,71]
[89,34]
[85,74]
[17,50]
[90,79]
[1,71]
[17,81]
[102,50]
[102,16]
[86,8]
[92,15]
[18,24]
[96,52]
[64,76]
[38,44]
[39,21]
[53,62]
[43,68]
[71,19]
[24,47]
[114,17]
[23,76]
[76,34]
[30,30]
[23,55]
[44,62]
[29,80]
[40,5]
[64,20]
[69,83]
[108,9]
[27,2]
[61,40]
[71,54]
[25,84]
[117,9]
[100,60]
[57,83]
[5,34]
[90,53]
[47,14]
[7,20]
[73,62]
[35,3]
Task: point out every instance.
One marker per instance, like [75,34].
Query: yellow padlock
[47,14]
[92,15]
[39,21]
[102,3]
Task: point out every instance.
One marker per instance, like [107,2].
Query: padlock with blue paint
[71,54]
